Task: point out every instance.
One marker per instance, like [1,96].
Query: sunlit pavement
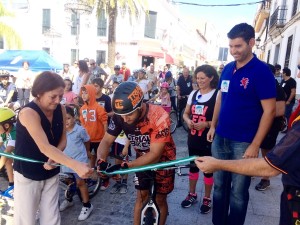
[117,209]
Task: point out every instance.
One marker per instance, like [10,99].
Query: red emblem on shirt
[244,82]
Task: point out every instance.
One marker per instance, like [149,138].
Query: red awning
[151,53]
[169,59]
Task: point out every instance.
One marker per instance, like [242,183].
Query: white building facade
[277,26]
[161,37]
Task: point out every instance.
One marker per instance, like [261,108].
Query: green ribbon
[152,166]
[17,157]
[122,171]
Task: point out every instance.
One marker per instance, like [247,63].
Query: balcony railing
[278,18]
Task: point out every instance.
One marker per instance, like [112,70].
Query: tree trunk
[112,13]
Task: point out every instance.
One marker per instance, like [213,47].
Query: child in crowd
[115,77]
[78,149]
[93,118]
[7,139]
[102,99]
[69,96]
[163,96]
[120,147]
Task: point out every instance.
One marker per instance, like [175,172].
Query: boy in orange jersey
[93,118]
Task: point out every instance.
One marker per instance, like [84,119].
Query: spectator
[184,88]
[246,90]
[198,115]
[102,99]
[125,71]
[77,148]
[270,140]
[117,76]
[8,93]
[7,140]
[69,96]
[172,89]
[221,67]
[24,83]
[289,86]
[93,118]
[40,135]
[278,74]
[96,72]
[66,72]
[82,78]
[144,84]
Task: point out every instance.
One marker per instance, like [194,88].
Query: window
[74,53]
[102,24]
[150,25]
[294,10]
[46,20]
[1,43]
[47,50]
[75,20]
[288,51]
[100,56]
[276,54]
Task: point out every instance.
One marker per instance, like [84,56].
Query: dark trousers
[23,96]
[181,106]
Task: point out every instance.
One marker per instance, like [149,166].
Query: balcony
[278,18]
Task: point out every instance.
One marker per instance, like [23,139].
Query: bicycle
[150,213]
[67,182]
[8,193]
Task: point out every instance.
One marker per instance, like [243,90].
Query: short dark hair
[242,30]
[26,63]
[210,72]
[70,111]
[98,81]
[46,81]
[271,67]
[277,67]
[287,71]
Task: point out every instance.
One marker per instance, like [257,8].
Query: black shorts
[117,148]
[164,180]
[94,146]
[206,151]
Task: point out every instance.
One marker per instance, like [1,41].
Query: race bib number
[225,85]
[199,109]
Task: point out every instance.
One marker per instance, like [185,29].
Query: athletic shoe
[206,205]
[262,185]
[85,212]
[189,200]
[104,184]
[123,188]
[65,204]
[115,189]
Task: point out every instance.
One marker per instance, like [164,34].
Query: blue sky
[224,18]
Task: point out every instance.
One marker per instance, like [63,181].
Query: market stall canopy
[39,60]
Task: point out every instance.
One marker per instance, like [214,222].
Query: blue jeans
[231,193]
[288,111]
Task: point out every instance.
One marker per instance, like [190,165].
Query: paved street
[116,209]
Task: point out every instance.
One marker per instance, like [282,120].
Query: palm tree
[9,34]
[110,8]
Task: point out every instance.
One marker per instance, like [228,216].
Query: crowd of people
[231,114]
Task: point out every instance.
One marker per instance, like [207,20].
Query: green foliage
[12,39]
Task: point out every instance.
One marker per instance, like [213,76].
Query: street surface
[117,209]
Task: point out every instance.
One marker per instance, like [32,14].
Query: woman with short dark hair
[41,135]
